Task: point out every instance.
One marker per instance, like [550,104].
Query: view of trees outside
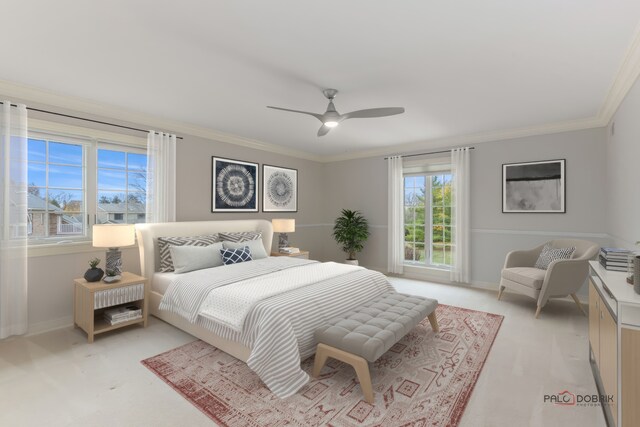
[427,219]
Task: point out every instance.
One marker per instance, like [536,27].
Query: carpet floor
[425,379]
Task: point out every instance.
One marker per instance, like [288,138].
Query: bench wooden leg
[360,365]
[434,322]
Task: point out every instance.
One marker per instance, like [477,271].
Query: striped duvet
[279,329]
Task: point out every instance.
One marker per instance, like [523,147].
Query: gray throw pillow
[240,236]
[190,258]
[164,243]
[550,254]
[256,247]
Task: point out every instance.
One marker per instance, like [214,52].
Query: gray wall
[623,172]
[362,184]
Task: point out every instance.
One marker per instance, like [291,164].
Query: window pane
[447,234]
[409,250]
[137,181]
[409,235]
[409,215]
[37,224]
[37,150]
[111,180]
[438,216]
[65,176]
[409,197]
[419,234]
[37,174]
[111,159]
[137,162]
[447,195]
[65,201]
[409,182]
[110,197]
[419,181]
[420,216]
[437,254]
[136,198]
[437,234]
[447,216]
[68,154]
[447,178]
[420,253]
[68,224]
[448,255]
[436,180]
[436,196]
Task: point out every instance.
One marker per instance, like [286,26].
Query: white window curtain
[395,226]
[13,221]
[161,177]
[460,214]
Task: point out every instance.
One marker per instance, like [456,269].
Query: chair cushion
[373,328]
[527,276]
[550,254]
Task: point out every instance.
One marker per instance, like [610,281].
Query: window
[122,186]
[75,182]
[427,219]
[56,192]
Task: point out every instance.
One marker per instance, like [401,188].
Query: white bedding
[279,329]
[230,305]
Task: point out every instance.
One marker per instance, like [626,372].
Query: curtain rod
[431,152]
[86,120]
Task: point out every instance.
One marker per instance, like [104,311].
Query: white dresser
[614,338]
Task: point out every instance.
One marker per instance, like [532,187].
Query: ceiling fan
[331,118]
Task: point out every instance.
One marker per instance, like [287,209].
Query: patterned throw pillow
[235,256]
[241,236]
[550,254]
[164,243]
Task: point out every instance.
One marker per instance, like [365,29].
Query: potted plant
[351,230]
[94,273]
[111,276]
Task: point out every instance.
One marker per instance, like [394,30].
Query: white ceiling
[458,67]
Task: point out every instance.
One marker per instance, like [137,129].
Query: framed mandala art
[234,186]
[279,189]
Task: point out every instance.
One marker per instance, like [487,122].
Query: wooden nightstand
[92,299]
[301,254]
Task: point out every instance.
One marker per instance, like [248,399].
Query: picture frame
[534,187]
[234,185]
[279,189]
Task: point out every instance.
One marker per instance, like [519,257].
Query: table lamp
[283,226]
[113,236]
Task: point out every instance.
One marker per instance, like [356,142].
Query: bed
[277,330]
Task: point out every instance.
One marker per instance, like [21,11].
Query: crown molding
[41,96]
[623,82]
[627,74]
[475,138]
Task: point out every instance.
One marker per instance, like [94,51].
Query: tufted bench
[367,332]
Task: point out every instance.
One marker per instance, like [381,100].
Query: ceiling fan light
[331,124]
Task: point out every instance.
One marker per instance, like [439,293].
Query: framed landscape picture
[279,189]
[534,187]
[234,186]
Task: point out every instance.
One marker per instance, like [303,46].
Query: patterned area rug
[425,379]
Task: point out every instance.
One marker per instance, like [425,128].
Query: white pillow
[255,246]
[190,258]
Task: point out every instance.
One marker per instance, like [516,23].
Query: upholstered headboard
[148,234]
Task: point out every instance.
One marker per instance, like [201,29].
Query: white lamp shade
[113,235]
[284,225]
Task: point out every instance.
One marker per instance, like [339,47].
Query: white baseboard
[49,325]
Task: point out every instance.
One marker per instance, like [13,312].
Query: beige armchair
[562,278]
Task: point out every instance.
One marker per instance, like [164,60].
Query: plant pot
[351,261]
[93,274]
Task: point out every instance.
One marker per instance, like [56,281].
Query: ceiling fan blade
[373,112]
[317,116]
[323,130]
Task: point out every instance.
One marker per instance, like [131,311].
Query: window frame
[427,169]
[93,139]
